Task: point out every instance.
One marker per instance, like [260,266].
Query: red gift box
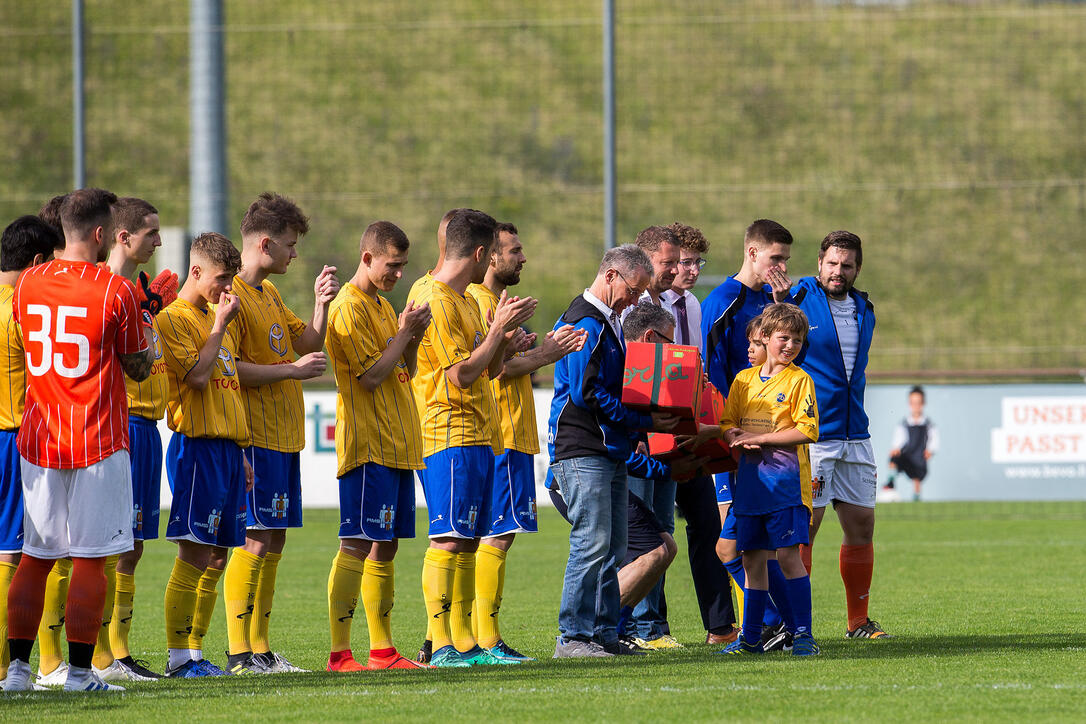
[718,452]
[664,378]
[663,446]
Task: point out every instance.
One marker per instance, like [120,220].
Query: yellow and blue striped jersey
[268,329]
[148,398]
[217,411]
[380,426]
[451,416]
[12,364]
[512,396]
[420,294]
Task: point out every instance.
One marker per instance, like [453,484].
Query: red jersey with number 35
[76,318]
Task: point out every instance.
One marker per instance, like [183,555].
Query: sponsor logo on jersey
[226,362]
[277,339]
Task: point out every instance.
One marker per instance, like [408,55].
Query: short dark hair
[766,231]
[643,317]
[507,228]
[783,315]
[918,390]
[25,238]
[690,238]
[84,210]
[651,238]
[842,240]
[380,236]
[130,212]
[218,250]
[273,214]
[467,231]
[50,213]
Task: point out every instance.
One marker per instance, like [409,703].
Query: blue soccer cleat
[740,647]
[804,645]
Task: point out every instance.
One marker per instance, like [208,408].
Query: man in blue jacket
[842,323]
[589,438]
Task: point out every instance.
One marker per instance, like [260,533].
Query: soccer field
[984,601]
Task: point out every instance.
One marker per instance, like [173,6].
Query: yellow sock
[489,583]
[122,615]
[239,594]
[463,595]
[206,595]
[438,569]
[51,629]
[378,596]
[180,603]
[7,572]
[739,598]
[344,583]
[265,590]
[103,653]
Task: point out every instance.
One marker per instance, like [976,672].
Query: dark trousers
[697,502]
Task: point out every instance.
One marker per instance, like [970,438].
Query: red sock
[857,563]
[805,556]
[86,599]
[26,597]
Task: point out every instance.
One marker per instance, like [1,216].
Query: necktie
[680,316]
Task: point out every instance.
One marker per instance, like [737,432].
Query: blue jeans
[594,488]
[649,619]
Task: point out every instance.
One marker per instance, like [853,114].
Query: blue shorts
[207,477]
[275,502]
[723,488]
[457,484]
[11,494]
[770,531]
[145,448]
[512,502]
[377,503]
[727,530]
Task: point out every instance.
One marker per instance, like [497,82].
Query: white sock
[196,654]
[178,657]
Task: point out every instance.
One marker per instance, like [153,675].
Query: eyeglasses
[663,336]
[691,263]
[630,291]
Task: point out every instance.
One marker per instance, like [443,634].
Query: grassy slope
[949,136]
[972,641]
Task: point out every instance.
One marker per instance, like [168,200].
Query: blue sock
[753,611]
[799,595]
[623,619]
[735,567]
[778,594]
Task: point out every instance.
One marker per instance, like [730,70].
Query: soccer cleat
[804,645]
[119,672]
[426,652]
[188,670]
[624,646]
[18,678]
[90,682]
[667,641]
[448,657]
[139,667]
[210,669]
[868,630]
[273,663]
[343,662]
[56,677]
[776,638]
[506,650]
[575,649]
[740,647]
[479,656]
[395,661]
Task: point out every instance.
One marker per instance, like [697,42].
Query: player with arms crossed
[208,473]
[512,505]
[26,242]
[378,444]
[457,359]
[82,331]
[270,335]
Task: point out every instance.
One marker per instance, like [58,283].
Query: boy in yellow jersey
[456,360]
[26,242]
[135,239]
[378,443]
[512,502]
[270,338]
[208,473]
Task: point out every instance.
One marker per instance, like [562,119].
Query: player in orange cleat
[343,661]
[394,661]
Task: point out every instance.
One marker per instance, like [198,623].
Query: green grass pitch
[984,600]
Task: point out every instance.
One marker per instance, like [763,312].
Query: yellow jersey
[451,416]
[512,396]
[12,364]
[217,411]
[148,398]
[420,294]
[276,412]
[380,426]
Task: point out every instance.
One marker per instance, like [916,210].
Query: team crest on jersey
[213,522]
[400,363]
[280,503]
[137,518]
[780,397]
[226,361]
[388,516]
[277,339]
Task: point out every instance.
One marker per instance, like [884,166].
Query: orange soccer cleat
[343,661]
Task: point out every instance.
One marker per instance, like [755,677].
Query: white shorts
[843,471]
[82,512]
